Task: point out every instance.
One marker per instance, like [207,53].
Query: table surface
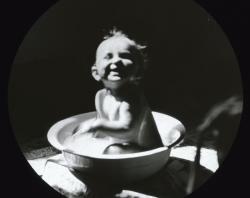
[170,182]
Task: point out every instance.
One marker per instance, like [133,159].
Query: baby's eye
[108,56]
[126,56]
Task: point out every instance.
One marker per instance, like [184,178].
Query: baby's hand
[85,126]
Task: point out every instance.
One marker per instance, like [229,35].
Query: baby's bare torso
[125,112]
[125,120]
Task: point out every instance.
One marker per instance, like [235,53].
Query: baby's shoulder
[101,93]
[100,97]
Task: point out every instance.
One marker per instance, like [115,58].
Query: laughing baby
[124,122]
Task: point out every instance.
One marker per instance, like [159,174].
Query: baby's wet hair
[115,32]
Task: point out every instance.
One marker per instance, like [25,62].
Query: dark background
[192,64]
[19,179]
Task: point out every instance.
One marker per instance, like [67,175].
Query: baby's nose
[116,61]
[113,66]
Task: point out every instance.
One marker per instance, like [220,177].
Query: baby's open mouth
[114,76]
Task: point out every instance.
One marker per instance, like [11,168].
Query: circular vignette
[191,62]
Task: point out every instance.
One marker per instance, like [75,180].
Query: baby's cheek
[102,72]
[128,62]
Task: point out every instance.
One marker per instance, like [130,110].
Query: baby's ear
[95,73]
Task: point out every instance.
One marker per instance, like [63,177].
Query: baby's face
[116,60]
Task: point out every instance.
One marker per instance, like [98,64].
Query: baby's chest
[111,107]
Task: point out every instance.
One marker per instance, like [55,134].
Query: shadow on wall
[218,128]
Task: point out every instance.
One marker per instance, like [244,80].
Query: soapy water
[89,143]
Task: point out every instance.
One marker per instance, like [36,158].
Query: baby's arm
[84,127]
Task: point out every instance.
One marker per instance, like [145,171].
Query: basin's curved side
[171,130]
[120,170]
